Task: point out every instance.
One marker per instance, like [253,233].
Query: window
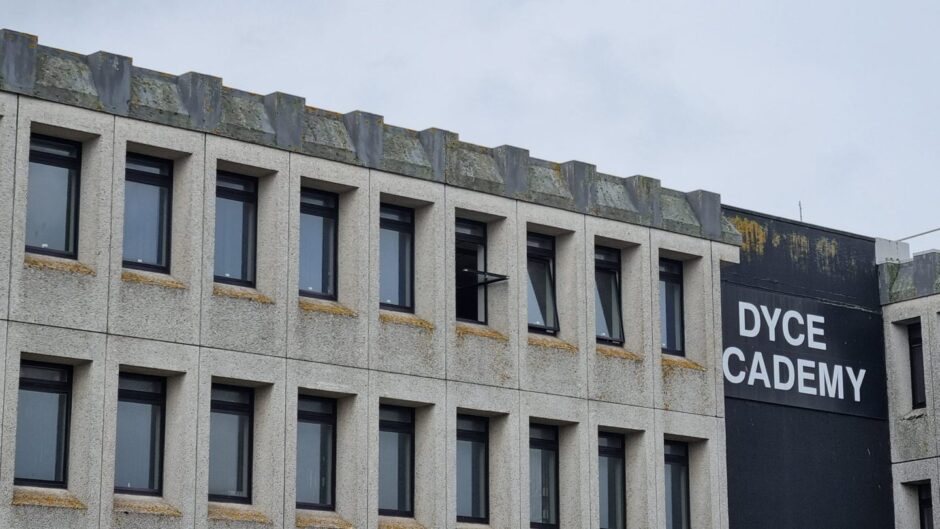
[543,314]
[138,461]
[610,472]
[472,469]
[607,307]
[316,452]
[148,191]
[925,506]
[470,261]
[915,345]
[396,256]
[543,476]
[42,425]
[230,439]
[235,229]
[318,214]
[671,323]
[677,485]
[52,203]
[396,460]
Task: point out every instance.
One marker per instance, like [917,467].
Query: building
[223,309]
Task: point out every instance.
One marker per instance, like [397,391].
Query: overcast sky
[835,103]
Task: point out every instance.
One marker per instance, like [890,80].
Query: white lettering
[814,331]
[803,376]
[743,309]
[771,322]
[797,340]
[725,363]
[830,386]
[856,382]
[778,383]
[758,370]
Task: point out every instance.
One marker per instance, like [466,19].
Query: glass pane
[234,239]
[395,214]
[229,454]
[544,432]
[543,486]
[471,423]
[48,225]
[317,247]
[469,258]
[677,495]
[395,471]
[230,394]
[244,184]
[608,321]
[44,373]
[66,150]
[612,492]
[316,405]
[40,436]
[395,413]
[670,314]
[146,220]
[395,268]
[137,457]
[147,385]
[541,294]
[315,463]
[471,479]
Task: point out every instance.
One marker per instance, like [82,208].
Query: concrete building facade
[93,313]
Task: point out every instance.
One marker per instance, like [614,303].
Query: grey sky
[834,103]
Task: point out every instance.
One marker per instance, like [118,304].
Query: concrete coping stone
[124,504]
[242,293]
[905,280]
[42,262]
[237,513]
[610,351]
[324,306]
[550,342]
[399,318]
[45,497]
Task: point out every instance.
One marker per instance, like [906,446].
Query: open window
[542,308]
[472,276]
[608,310]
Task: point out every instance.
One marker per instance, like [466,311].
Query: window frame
[146,397]
[616,268]
[482,241]
[915,350]
[73,208]
[236,408]
[47,386]
[250,197]
[675,278]
[320,418]
[554,445]
[401,227]
[615,452]
[164,181]
[547,256]
[326,213]
[684,461]
[388,425]
[484,437]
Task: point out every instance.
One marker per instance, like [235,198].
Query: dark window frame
[63,450]
[146,397]
[165,181]
[616,268]
[547,256]
[250,197]
[482,241]
[915,347]
[684,461]
[236,408]
[401,227]
[483,437]
[73,209]
[546,444]
[618,452]
[325,212]
[401,427]
[675,278]
[925,505]
[321,418]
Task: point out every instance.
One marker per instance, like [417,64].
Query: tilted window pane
[137,456]
[314,463]
[234,239]
[543,486]
[317,254]
[608,320]
[541,294]
[229,454]
[146,222]
[471,479]
[395,268]
[41,435]
[395,471]
[50,208]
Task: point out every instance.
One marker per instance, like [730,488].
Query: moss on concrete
[464,331]
[57,499]
[237,514]
[155,280]
[678,362]
[60,265]
[321,521]
[325,307]
[547,342]
[152,507]
[618,352]
[406,319]
[399,523]
[241,293]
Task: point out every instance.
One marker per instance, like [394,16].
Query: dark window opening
[148,195]
[53,196]
[677,485]
[916,349]
[607,303]
[316,452]
[612,481]
[470,261]
[318,236]
[925,506]
[472,469]
[396,258]
[396,461]
[543,476]
[138,460]
[230,444]
[42,425]
[235,228]
[542,309]
[671,321]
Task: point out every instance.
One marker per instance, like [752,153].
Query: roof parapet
[910,279]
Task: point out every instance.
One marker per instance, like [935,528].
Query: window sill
[244,293]
[42,262]
[671,362]
[549,342]
[237,513]
[611,351]
[464,330]
[915,414]
[394,522]
[43,497]
[400,318]
[320,520]
[152,278]
[326,307]
[128,504]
